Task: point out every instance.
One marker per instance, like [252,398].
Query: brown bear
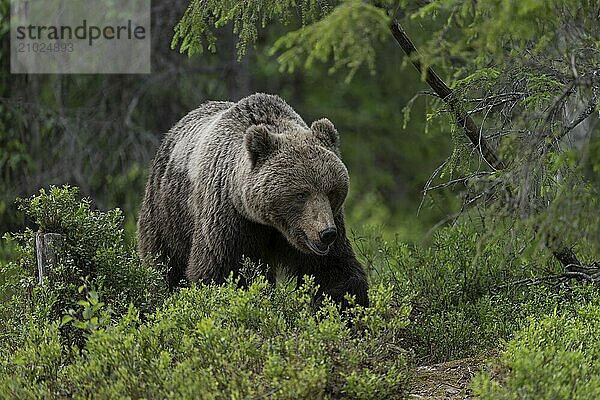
[250,179]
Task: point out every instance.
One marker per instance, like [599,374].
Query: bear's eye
[334,200]
[301,197]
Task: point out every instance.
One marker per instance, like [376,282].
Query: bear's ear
[324,130]
[260,143]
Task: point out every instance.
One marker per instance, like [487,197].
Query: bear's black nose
[328,235]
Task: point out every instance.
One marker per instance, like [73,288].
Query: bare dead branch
[583,273]
[582,116]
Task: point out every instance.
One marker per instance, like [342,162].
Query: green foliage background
[440,265]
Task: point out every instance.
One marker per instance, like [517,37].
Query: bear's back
[217,129]
[187,126]
[189,134]
[222,120]
[261,108]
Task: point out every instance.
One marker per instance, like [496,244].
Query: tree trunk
[45,248]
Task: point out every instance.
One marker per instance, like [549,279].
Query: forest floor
[448,380]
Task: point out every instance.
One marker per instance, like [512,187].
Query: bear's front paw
[355,287]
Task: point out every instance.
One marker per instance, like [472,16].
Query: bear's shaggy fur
[250,179]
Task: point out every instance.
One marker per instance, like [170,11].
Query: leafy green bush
[555,357]
[479,327]
[222,342]
[103,324]
[92,257]
[463,302]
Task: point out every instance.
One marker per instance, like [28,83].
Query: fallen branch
[586,274]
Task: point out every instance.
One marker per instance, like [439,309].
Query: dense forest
[470,131]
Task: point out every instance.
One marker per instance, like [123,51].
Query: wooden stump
[45,246]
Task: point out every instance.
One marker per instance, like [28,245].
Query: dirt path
[445,381]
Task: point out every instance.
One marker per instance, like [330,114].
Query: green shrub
[92,257]
[460,265]
[479,327]
[555,357]
[104,326]
[463,304]
[223,342]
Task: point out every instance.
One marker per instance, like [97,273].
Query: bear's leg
[205,264]
[339,273]
[271,274]
[342,274]
[147,237]
[149,241]
[152,245]
[215,252]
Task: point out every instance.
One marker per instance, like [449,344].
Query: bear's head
[297,183]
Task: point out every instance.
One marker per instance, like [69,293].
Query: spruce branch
[562,253]
[473,132]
